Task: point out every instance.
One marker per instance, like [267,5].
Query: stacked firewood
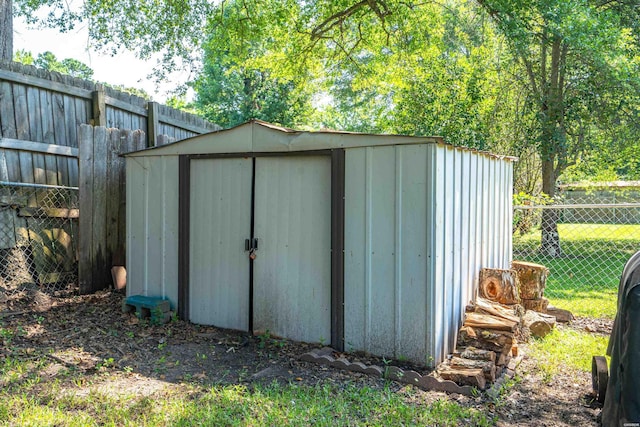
[486,343]
[510,308]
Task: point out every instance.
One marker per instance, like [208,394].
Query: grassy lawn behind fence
[585,279]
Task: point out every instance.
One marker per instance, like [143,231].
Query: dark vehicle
[621,394]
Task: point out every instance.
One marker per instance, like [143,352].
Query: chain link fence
[38,239]
[596,239]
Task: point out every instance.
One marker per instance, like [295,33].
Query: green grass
[585,279]
[235,405]
[567,349]
[28,398]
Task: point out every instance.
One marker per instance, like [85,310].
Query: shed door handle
[250,244]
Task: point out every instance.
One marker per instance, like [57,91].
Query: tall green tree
[576,55]
[232,87]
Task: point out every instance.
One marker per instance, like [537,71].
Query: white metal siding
[220,222]
[292,271]
[385,251]
[152,227]
[421,219]
[420,222]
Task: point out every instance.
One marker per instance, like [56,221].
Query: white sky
[123,69]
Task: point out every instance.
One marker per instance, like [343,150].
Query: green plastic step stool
[155,308]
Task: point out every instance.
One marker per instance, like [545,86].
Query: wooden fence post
[153,123]
[85,182]
[93,267]
[99,106]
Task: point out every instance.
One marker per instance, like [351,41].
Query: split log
[488,367]
[485,321]
[478,354]
[499,285]
[463,376]
[486,339]
[485,306]
[504,358]
[561,315]
[540,305]
[539,324]
[532,279]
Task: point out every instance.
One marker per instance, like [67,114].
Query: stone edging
[324,356]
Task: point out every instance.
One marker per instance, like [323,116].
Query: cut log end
[532,279]
[499,285]
[538,324]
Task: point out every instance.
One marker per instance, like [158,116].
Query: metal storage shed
[366,242]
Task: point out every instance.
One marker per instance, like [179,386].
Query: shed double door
[284,203]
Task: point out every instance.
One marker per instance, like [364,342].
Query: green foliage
[48,61]
[557,81]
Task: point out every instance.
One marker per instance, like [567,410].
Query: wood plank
[82,112]
[54,176]
[38,147]
[180,124]
[8,130]
[34,111]
[70,119]
[7,111]
[60,132]
[21,112]
[46,118]
[7,216]
[85,243]
[48,212]
[101,276]
[114,165]
[121,105]
[72,172]
[44,84]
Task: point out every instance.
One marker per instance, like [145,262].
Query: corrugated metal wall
[152,227]
[292,273]
[219,224]
[420,221]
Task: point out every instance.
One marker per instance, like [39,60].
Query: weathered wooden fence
[46,117]
[102,202]
[40,112]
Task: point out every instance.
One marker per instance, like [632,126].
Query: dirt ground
[91,333]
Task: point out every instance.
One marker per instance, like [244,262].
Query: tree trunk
[550,242]
[6,30]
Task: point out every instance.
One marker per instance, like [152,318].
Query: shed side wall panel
[386,250]
[469,215]
[136,217]
[152,227]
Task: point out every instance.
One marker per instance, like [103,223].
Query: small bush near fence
[38,229]
[596,241]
